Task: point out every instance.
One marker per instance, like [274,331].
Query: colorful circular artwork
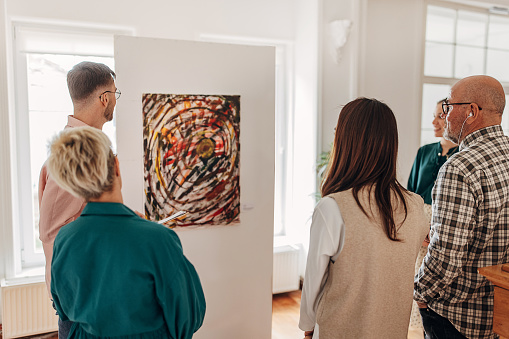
[191,160]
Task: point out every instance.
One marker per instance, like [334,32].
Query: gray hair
[81,162]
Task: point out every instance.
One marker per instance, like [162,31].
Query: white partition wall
[234,262]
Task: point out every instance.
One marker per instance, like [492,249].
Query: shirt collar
[477,136]
[73,122]
[439,149]
[107,208]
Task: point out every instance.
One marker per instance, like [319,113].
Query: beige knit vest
[368,292]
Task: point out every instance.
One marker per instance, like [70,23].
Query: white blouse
[325,243]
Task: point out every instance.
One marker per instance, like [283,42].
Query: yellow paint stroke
[184,177]
[158,171]
[164,131]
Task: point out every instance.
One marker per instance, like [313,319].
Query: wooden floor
[53,335]
[285,316]
[285,319]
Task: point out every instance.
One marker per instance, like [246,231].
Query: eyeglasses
[117,93]
[447,107]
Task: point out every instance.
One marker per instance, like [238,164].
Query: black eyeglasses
[117,93]
[447,107]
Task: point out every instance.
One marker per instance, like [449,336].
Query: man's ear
[474,112]
[104,99]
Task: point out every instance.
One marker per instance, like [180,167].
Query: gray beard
[450,137]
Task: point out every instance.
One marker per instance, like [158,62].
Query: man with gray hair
[94,96]
[469,227]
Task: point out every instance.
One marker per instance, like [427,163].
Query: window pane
[440,24]
[49,105]
[469,61]
[471,28]
[497,65]
[428,137]
[498,32]
[505,117]
[438,60]
[431,93]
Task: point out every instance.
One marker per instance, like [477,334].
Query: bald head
[485,91]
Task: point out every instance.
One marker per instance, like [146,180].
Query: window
[42,58]
[461,41]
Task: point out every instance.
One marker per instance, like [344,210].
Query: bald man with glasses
[470,215]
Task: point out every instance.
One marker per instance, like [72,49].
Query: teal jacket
[425,169]
[115,274]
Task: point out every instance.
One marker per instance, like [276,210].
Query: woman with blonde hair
[365,234]
[113,273]
[422,178]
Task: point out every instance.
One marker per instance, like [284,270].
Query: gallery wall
[392,68]
[170,19]
[382,59]
[339,81]
[234,262]
[6,231]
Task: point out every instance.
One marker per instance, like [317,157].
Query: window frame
[438,80]
[22,196]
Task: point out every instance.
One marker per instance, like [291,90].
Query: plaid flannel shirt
[469,229]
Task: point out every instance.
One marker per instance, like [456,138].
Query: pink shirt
[57,208]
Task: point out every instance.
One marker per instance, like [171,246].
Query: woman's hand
[421,305]
[426,241]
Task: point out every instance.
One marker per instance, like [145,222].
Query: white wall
[170,18]
[4,137]
[392,68]
[338,77]
[6,232]
[234,262]
[382,60]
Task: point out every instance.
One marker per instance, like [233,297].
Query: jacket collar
[107,208]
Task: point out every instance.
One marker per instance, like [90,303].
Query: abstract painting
[191,157]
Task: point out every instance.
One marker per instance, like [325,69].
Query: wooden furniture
[499,276]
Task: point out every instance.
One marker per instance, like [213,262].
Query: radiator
[285,274]
[26,310]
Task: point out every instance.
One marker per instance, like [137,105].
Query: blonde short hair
[81,162]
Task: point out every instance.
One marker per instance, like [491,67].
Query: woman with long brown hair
[365,234]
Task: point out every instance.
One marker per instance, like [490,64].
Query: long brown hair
[364,154]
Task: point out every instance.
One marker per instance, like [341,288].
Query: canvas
[191,157]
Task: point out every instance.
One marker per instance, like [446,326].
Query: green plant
[321,166]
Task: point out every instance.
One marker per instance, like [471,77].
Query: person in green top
[424,172]
[115,274]
[430,158]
